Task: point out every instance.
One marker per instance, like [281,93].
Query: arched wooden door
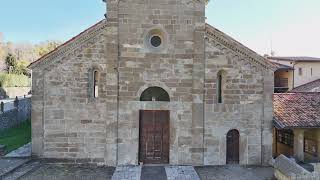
[154,129]
[154,137]
[233,147]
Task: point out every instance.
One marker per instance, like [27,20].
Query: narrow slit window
[95,84]
[300,71]
[219,88]
[220,82]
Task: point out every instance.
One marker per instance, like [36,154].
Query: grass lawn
[16,137]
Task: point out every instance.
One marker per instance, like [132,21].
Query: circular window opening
[155,41]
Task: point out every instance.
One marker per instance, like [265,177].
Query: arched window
[220,86]
[154,94]
[95,88]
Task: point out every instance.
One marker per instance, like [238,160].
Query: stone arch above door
[155,93]
[155,84]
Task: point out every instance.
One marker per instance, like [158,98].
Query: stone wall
[176,67]
[246,105]
[68,123]
[286,169]
[16,115]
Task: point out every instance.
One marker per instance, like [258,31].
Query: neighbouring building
[297,125]
[153,83]
[294,71]
[313,86]
[283,78]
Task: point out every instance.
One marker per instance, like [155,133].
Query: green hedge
[14,80]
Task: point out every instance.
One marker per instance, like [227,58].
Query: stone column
[298,144]
[37,113]
[112,55]
[198,84]
[267,117]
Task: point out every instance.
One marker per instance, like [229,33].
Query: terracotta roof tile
[313,86]
[297,110]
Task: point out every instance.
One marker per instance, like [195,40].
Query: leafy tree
[44,48]
[17,67]
[11,62]
[2,57]
[21,68]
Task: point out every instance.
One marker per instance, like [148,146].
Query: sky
[288,27]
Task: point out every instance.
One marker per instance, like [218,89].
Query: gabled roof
[70,44]
[210,31]
[296,110]
[313,86]
[296,59]
[237,47]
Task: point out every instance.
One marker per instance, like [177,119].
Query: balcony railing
[281,82]
[280,85]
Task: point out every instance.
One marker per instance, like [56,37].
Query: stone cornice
[69,46]
[239,48]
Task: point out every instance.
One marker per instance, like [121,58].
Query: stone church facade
[153,83]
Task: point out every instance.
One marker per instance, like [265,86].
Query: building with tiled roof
[313,86]
[295,59]
[297,125]
[283,80]
[294,71]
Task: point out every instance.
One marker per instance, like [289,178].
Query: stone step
[181,172]
[127,172]
[22,170]
[8,165]
[155,172]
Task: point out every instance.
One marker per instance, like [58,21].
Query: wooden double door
[233,147]
[154,136]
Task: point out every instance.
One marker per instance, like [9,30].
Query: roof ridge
[288,93]
[292,57]
[306,83]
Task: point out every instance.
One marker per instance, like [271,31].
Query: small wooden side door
[233,147]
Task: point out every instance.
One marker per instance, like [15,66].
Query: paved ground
[153,172]
[70,172]
[24,151]
[233,172]
[11,169]
[181,172]
[127,172]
